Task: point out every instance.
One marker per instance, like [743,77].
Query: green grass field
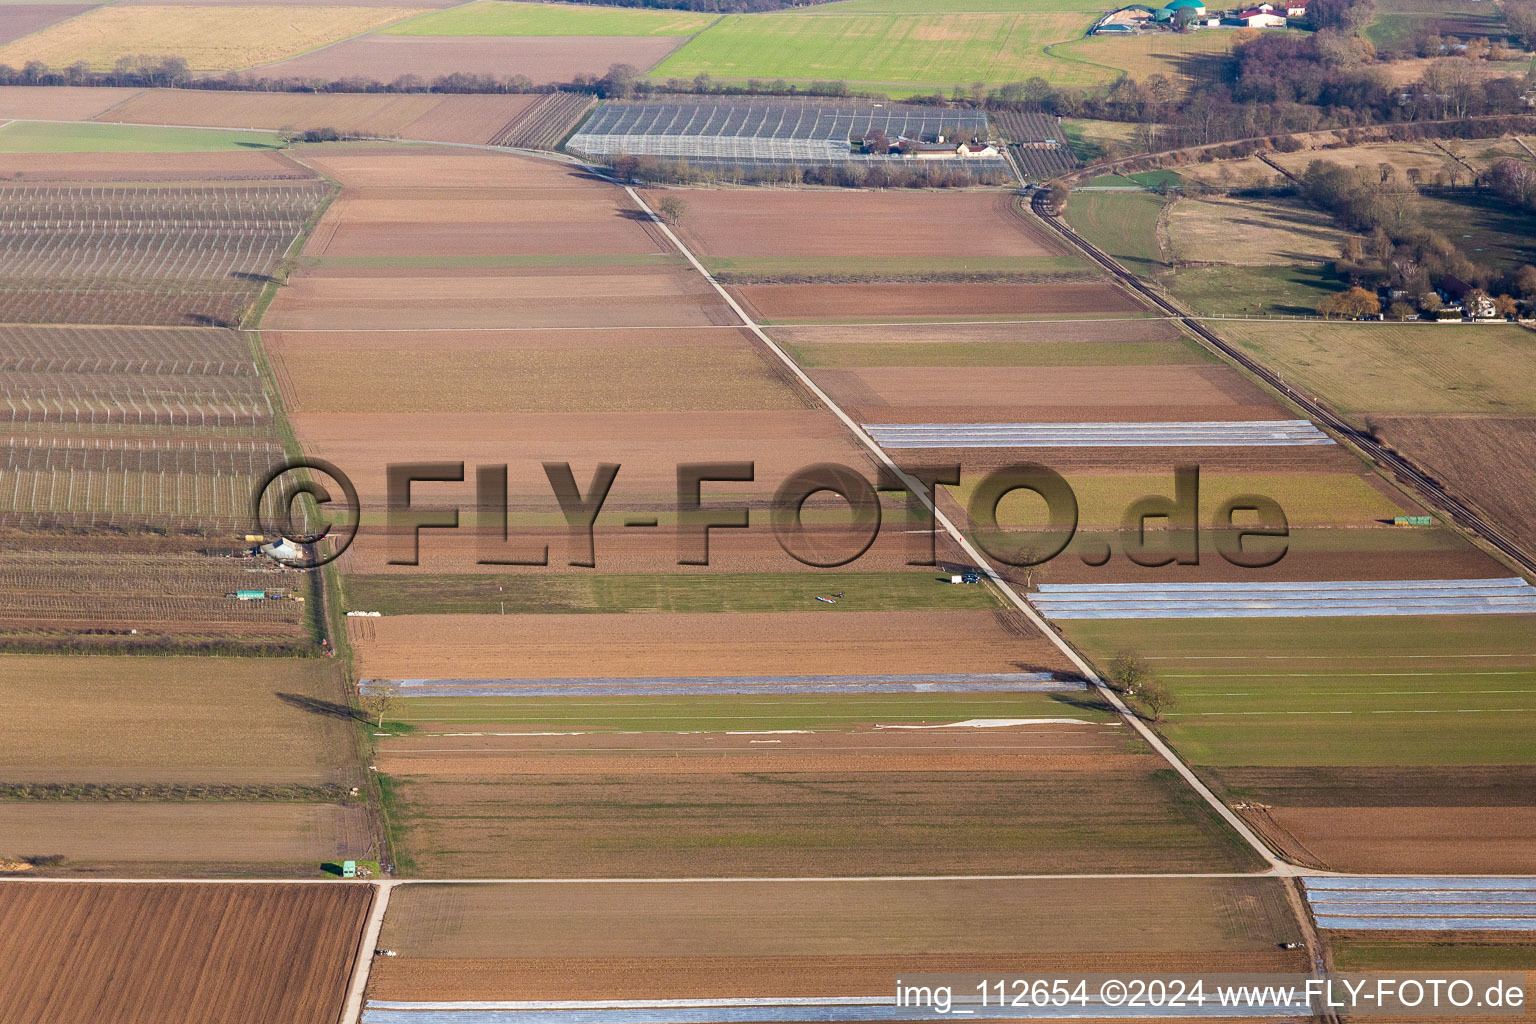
[711,592]
[1396,644]
[1401,368]
[1253,291]
[1362,717]
[1123,224]
[40,137]
[1366,953]
[894,52]
[1483,227]
[835,355]
[1398,20]
[496,18]
[736,713]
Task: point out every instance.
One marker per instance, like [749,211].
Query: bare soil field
[174,720]
[842,302]
[729,374]
[58,103]
[932,394]
[254,166]
[1227,918]
[648,446]
[432,117]
[201,838]
[498,302]
[179,954]
[789,643]
[212,38]
[1041,332]
[387,165]
[1416,840]
[1488,460]
[788,225]
[362,113]
[474,119]
[370,231]
[544,59]
[24,19]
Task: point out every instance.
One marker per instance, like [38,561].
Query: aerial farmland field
[694,743]
[262,954]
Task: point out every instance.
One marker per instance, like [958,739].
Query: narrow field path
[352,1012]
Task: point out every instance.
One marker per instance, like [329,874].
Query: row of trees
[851,174]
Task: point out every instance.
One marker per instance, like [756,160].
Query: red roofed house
[1262,16]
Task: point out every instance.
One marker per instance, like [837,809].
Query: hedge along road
[1276,865]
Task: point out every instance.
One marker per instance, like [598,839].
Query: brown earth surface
[447,118]
[1126,330]
[502,301]
[787,643]
[178,954]
[174,720]
[1228,919]
[57,103]
[213,838]
[973,394]
[785,225]
[1416,840]
[387,165]
[544,59]
[413,374]
[662,977]
[24,19]
[534,217]
[648,446]
[250,165]
[937,301]
[1489,461]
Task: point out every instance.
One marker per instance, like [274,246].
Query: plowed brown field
[787,643]
[932,394]
[544,59]
[1417,840]
[838,302]
[790,225]
[185,838]
[431,116]
[251,165]
[62,103]
[1487,460]
[177,954]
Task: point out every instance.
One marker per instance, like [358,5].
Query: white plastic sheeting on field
[1281,600]
[1424,904]
[968,682]
[1247,434]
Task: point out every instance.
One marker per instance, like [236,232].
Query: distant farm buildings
[1185,14]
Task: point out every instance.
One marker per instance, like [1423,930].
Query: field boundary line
[352,1011]
[1275,863]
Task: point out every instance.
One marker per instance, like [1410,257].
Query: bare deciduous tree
[379,699]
